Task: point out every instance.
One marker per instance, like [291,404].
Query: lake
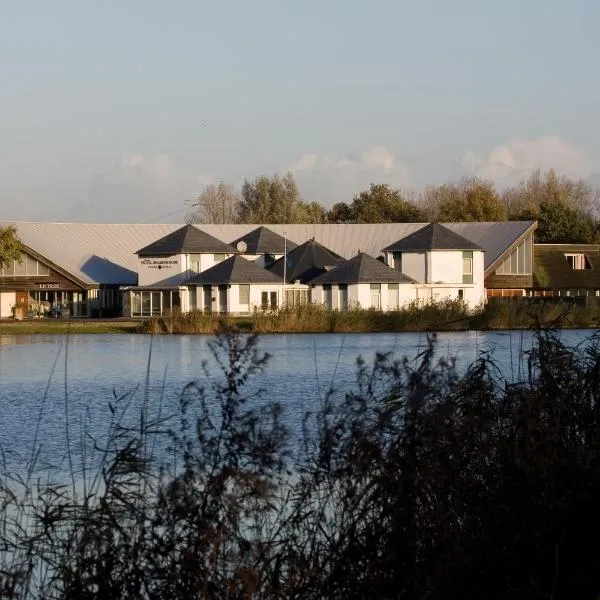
[39,372]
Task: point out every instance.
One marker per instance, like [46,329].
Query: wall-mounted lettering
[48,286]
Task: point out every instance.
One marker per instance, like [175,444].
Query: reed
[421,482]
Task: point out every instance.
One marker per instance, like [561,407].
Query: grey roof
[101,253]
[235,269]
[306,262]
[187,239]
[362,268]
[551,269]
[433,237]
[264,241]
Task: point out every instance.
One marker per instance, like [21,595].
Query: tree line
[566,209]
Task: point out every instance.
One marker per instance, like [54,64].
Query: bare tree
[215,204]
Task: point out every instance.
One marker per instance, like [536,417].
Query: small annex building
[236,285]
[363,281]
[443,264]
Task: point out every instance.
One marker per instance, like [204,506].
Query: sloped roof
[552,271]
[433,237]
[362,268]
[235,269]
[306,262]
[101,253]
[264,241]
[187,239]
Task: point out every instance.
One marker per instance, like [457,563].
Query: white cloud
[517,158]
[141,188]
[328,179]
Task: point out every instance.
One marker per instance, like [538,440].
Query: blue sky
[120,110]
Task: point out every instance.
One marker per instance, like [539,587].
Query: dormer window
[578,261]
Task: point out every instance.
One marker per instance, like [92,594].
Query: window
[195,263]
[28,266]
[375,295]
[393,292]
[244,297]
[328,296]
[296,297]
[468,266]
[397,260]
[269,260]
[219,257]
[268,300]
[519,262]
[461,294]
[578,262]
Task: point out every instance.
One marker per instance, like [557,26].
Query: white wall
[233,297]
[7,301]
[160,270]
[414,265]
[171,270]
[446,266]
[359,295]
[473,295]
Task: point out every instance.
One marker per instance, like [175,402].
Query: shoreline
[126,326]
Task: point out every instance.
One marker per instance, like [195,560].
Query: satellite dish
[242,246]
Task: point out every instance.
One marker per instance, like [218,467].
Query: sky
[123,110]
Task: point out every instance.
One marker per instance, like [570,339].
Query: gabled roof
[306,262]
[235,269]
[433,237]
[187,239]
[362,268]
[264,241]
[552,271]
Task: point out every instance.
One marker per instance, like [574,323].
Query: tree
[340,212]
[277,199]
[383,204]
[379,204]
[10,246]
[470,199]
[216,204]
[563,207]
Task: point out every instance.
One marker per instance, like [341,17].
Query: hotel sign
[159,263]
[48,286]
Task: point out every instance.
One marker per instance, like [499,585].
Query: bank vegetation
[446,315]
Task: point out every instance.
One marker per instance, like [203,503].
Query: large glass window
[519,262]
[28,266]
[296,297]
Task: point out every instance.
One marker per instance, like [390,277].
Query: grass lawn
[75,326]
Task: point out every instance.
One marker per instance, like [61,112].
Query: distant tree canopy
[276,199]
[563,207]
[10,246]
[471,199]
[216,204]
[379,204]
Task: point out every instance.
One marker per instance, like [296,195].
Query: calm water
[38,372]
